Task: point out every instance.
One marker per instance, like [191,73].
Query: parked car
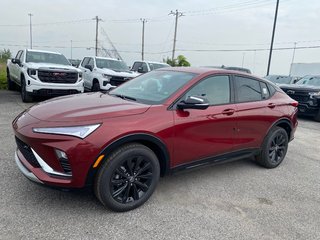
[147,66]
[100,73]
[307,92]
[282,79]
[163,121]
[42,73]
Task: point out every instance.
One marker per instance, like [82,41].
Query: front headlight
[77,131]
[314,94]
[32,73]
[106,76]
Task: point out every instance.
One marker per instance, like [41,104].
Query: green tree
[180,61]
[5,54]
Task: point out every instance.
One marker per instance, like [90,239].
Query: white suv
[147,66]
[100,73]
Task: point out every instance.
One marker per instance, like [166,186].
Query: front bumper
[36,87]
[25,171]
[306,109]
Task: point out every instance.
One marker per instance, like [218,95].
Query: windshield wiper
[124,97]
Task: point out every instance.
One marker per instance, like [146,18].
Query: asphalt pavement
[238,200]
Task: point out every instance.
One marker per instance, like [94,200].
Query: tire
[95,87]
[274,148]
[127,178]
[25,96]
[11,84]
[317,117]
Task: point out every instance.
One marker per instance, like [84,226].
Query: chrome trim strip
[45,167]
[25,171]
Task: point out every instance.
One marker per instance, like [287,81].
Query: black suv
[307,92]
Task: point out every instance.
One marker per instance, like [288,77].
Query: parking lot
[237,200]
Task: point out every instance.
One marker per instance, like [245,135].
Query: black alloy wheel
[127,178]
[131,180]
[274,148]
[25,96]
[277,148]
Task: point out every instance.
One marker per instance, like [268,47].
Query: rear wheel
[11,84]
[25,96]
[127,178]
[274,148]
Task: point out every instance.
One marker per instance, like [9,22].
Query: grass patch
[3,76]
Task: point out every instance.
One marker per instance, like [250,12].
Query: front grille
[116,81]
[55,92]
[57,76]
[299,98]
[65,165]
[27,153]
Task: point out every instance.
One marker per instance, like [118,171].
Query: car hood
[118,73]
[50,66]
[299,87]
[85,107]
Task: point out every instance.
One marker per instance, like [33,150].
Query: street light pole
[272,38]
[71,49]
[30,15]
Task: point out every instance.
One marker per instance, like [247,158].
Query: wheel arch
[283,123]
[152,142]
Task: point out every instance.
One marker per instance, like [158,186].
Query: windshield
[279,79]
[153,87]
[111,64]
[154,66]
[43,57]
[309,80]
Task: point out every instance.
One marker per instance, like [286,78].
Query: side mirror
[88,67]
[16,61]
[140,70]
[194,102]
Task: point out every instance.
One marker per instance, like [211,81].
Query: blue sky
[207,25]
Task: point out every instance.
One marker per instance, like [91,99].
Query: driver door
[201,134]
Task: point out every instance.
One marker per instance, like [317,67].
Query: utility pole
[142,47]
[71,49]
[177,14]
[272,38]
[294,52]
[30,15]
[97,23]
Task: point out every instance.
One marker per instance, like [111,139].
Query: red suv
[121,142]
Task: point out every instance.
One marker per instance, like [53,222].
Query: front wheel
[95,87]
[317,117]
[127,178]
[274,148]
[25,96]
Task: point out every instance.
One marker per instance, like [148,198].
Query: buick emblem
[290,92]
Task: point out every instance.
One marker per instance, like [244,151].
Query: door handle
[228,111]
[271,105]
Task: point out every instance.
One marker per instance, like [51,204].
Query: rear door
[205,133]
[256,112]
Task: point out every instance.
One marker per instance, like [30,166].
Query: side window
[248,90]
[85,62]
[91,62]
[21,56]
[136,65]
[265,91]
[144,67]
[271,89]
[216,89]
[18,54]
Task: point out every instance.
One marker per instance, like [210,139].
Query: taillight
[295,104]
